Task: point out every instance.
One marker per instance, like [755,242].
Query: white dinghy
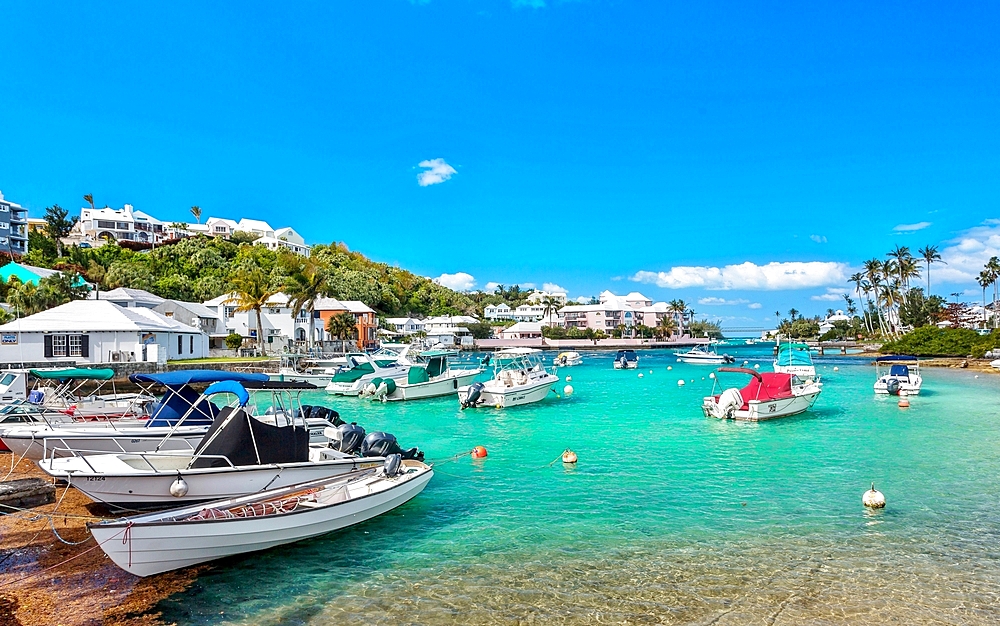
[239,455]
[160,542]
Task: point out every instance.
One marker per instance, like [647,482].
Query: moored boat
[159,542]
[518,378]
[769,395]
[795,358]
[567,359]
[363,370]
[430,376]
[704,356]
[903,376]
[626,360]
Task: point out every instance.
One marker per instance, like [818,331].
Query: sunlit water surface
[669,517]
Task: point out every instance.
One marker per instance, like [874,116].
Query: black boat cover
[236,438]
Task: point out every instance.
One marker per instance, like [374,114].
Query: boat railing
[77,451]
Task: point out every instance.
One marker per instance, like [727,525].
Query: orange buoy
[903,403]
[569,456]
[479,452]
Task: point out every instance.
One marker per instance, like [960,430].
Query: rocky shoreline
[46,581]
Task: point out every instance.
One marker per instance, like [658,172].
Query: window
[230,311]
[122,225]
[192,344]
[220,229]
[105,224]
[4,208]
[75,345]
[180,344]
[59,345]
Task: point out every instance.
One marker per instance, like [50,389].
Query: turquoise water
[669,517]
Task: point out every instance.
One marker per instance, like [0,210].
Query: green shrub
[934,341]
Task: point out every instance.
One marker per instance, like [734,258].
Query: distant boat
[364,369]
[795,358]
[626,360]
[518,378]
[167,540]
[704,356]
[567,359]
[903,375]
[430,376]
[767,396]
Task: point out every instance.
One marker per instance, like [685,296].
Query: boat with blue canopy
[795,358]
[902,378]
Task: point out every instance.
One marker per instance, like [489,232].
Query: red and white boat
[768,395]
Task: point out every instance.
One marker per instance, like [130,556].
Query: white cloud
[965,256]
[833,294]
[771,277]
[582,299]
[459,281]
[437,172]
[754,305]
[491,286]
[906,228]
[721,301]
[525,285]
[552,288]
[818,238]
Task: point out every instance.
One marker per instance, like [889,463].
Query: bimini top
[794,354]
[628,354]
[77,373]
[886,359]
[187,377]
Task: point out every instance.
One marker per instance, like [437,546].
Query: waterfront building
[97,331]
[405,325]
[13,227]
[366,333]
[128,298]
[498,312]
[827,324]
[522,330]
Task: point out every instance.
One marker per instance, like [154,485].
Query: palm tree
[308,282]
[930,255]
[89,199]
[858,279]
[551,304]
[792,313]
[25,298]
[252,289]
[666,327]
[993,267]
[196,212]
[985,280]
[342,326]
[677,307]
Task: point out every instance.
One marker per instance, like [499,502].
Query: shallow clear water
[669,517]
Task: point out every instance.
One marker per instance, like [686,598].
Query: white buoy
[670,367]
[680,383]
[640,374]
[569,379]
[712,375]
[976,376]
[179,487]
[746,362]
[651,371]
[678,360]
[873,499]
[756,366]
[568,390]
[836,369]
[703,378]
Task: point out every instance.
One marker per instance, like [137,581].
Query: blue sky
[591,144]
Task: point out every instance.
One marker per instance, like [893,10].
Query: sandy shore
[39,586]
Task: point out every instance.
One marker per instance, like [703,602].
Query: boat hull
[511,396]
[758,411]
[629,365]
[355,388]
[432,389]
[152,488]
[694,360]
[159,547]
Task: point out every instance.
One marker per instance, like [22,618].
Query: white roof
[258,226]
[126,294]
[200,310]
[95,315]
[523,327]
[277,300]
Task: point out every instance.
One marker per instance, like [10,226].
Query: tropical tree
[678,308]
[252,289]
[196,212]
[342,326]
[89,199]
[985,279]
[307,282]
[58,225]
[993,267]
[930,255]
[792,313]
[551,305]
[666,327]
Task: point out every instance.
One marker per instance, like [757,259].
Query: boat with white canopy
[518,378]
[153,543]
[795,358]
[701,355]
[240,454]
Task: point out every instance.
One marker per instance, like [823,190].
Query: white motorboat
[159,542]
[626,360]
[518,378]
[239,455]
[903,377]
[62,389]
[50,435]
[363,370]
[567,359]
[704,356]
[767,396]
[302,368]
[430,376]
[795,358]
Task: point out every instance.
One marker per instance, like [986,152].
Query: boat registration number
[771,408]
[367,465]
[93,479]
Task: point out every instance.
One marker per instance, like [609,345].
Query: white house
[128,298]
[97,331]
[276,320]
[522,330]
[405,325]
[827,324]
[498,312]
[120,224]
[536,297]
[447,321]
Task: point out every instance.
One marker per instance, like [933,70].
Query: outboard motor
[393,462]
[728,359]
[385,444]
[475,393]
[346,438]
[892,386]
[486,360]
[624,362]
